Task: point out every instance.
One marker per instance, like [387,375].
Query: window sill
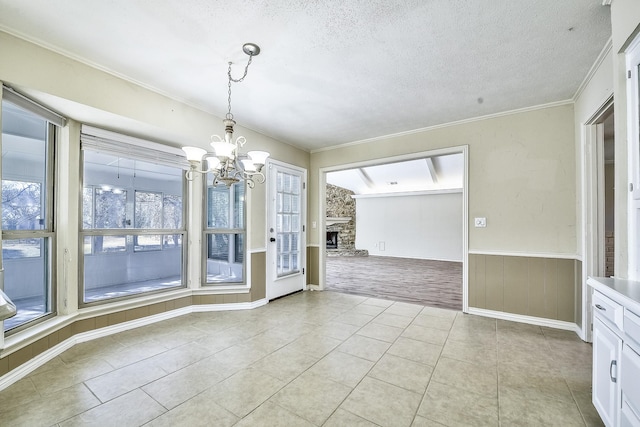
[210,289]
[28,336]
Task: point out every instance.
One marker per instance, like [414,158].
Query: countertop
[625,292]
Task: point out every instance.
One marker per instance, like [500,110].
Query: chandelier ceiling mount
[227,164]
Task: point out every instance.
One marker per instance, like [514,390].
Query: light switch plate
[480,222]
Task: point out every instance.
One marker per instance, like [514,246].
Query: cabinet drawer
[632,326]
[609,310]
[630,377]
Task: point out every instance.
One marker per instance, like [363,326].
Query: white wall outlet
[381,246]
[314,224]
[480,222]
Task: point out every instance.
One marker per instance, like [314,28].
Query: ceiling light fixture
[227,164]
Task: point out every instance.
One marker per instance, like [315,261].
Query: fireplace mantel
[337,220]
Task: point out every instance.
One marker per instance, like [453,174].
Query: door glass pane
[287,223]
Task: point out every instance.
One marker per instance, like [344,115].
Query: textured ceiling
[332,72]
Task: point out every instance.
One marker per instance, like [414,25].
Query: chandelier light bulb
[194,153]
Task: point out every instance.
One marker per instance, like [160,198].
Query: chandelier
[227,164]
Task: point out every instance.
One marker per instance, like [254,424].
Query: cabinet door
[607,348]
[630,378]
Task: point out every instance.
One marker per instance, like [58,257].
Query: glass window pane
[21,205]
[223,263]
[171,241]
[172,212]
[149,210]
[116,274]
[109,244]
[26,279]
[24,169]
[87,207]
[218,207]
[111,205]
[87,245]
[238,206]
[129,193]
[148,243]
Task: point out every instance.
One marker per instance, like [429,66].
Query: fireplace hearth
[332,240]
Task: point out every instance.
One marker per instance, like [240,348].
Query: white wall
[427,226]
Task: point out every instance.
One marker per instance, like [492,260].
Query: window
[225,234]
[27,222]
[132,222]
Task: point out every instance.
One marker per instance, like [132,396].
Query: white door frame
[270,273]
[322,194]
[593,209]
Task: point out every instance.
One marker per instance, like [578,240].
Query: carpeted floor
[426,282]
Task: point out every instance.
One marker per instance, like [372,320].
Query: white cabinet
[616,351]
[607,347]
[630,386]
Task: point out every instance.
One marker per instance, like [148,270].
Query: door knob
[273,239]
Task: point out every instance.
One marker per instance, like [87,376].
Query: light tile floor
[314,358]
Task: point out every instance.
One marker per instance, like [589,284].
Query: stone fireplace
[341,223]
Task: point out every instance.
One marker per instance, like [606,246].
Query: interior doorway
[599,201]
[389,250]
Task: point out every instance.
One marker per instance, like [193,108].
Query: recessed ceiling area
[330,72]
[443,172]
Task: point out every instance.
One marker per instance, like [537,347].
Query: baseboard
[539,321]
[44,357]
[314,287]
[229,307]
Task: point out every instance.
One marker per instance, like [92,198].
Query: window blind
[116,144]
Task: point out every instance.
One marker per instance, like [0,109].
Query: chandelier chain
[231,79]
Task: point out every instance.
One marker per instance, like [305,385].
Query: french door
[286,242]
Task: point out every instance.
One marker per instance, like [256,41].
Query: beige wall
[127,107]
[521,177]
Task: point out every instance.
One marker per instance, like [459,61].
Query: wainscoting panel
[313,265]
[258,275]
[530,286]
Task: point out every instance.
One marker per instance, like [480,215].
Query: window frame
[130,234]
[235,231]
[47,233]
